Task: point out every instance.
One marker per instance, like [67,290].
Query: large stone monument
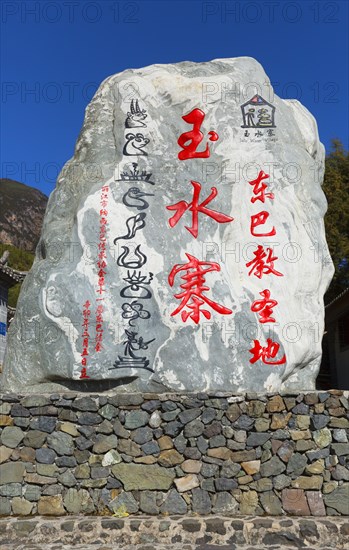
[183,248]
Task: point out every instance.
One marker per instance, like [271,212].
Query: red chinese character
[268,352]
[259,188]
[194,137]
[260,219]
[101,284]
[263,263]
[83,373]
[195,208]
[264,307]
[98,341]
[193,289]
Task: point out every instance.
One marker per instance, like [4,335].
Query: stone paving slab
[178,532]
[155,547]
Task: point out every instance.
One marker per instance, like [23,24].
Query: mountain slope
[22,210]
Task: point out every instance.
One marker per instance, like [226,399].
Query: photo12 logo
[122,12]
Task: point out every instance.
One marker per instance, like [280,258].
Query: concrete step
[174,533]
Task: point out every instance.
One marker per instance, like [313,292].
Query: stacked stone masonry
[177,454]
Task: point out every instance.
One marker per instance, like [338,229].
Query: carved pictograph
[136,286]
[133,198]
[133,224]
[131,360]
[134,145]
[131,259]
[135,116]
[132,174]
[134,311]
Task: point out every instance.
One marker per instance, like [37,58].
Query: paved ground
[154,547]
[174,533]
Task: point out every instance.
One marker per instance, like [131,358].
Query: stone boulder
[183,247]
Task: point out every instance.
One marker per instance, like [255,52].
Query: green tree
[20,260]
[336,188]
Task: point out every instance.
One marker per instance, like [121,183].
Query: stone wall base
[161,454]
[182,533]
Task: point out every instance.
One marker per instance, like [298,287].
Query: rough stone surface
[201,503]
[316,503]
[51,506]
[11,436]
[339,499]
[174,504]
[225,504]
[294,502]
[274,466]
[187,483]
[11,472]
[45,455]
[179,356]
[137,476]
[5,506]
[61,442]
[111,457]
[170,457]
[271,503]
[78,501]
[148,503]
[104,444]
[124,503]
[21,506]
[5,453]
[249,502]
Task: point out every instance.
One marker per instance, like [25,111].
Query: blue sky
[54,54]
